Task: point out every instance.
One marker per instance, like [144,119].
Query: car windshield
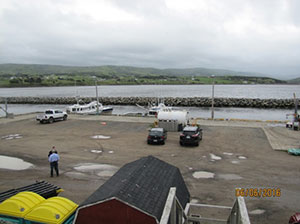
[189,132]
[155,133]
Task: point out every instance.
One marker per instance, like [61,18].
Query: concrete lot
[238,153]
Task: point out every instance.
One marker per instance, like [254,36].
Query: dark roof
[145,184]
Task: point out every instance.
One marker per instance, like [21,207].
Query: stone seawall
[171,101]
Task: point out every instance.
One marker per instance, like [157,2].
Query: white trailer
[173,120]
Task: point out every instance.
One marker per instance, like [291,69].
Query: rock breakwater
[171,101]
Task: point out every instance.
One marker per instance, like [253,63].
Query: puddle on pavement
[242,157]
[110,152]
[12,163]
[276,125]
[203,174]
[235,162]
[214,157]
[228,153]
[96,151]
[12,136]
[257,212]
[100,137]
[106,173]
[229,176]
[102,170]
[77,175]
[195,201]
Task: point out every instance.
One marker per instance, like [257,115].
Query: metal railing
[7,115]
[174,214]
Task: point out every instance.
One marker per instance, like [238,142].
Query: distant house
[136,194]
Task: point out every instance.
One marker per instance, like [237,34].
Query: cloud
[251,35]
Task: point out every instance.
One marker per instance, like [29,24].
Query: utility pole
[6,108]
[213,98]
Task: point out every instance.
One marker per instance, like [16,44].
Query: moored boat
[93,107]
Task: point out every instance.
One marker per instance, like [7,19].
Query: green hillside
[294,81]
[20,75]
[14,69]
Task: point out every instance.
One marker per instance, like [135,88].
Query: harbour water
[229,91]
[235,91]
[195,112]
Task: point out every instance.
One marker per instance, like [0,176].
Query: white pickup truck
[52,115]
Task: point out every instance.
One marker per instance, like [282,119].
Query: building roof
[144,184]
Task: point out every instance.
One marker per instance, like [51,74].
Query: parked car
[191,135]
[157,136]
[52,115]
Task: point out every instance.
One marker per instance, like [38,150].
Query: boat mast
[97,97]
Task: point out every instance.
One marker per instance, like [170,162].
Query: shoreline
[172,101]
[152,84]
[147,119]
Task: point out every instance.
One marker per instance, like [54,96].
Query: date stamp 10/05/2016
[258,192]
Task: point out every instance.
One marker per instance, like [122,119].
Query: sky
[260,36]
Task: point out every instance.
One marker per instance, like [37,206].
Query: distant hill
[20,75]
[294,81]
[34,69]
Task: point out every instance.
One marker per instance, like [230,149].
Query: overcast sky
[243,35]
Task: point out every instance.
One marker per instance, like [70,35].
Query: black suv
[191,135]
[157,136]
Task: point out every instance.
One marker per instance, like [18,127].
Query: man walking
[53,159]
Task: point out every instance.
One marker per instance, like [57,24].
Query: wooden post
[169,208]
[173,211]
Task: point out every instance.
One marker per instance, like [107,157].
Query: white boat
[152,110]
[93,107]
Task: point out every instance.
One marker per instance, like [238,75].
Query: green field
[15,75]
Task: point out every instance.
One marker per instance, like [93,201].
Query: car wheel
[51,120]
[163,143]
[42,122]
[180,143]
[197,144]
[65,117]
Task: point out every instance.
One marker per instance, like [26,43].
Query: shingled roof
[144,184]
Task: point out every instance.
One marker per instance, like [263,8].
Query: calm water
[236,91]
[203,112]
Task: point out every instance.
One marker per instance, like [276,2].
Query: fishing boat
[92,108]
[153,109]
